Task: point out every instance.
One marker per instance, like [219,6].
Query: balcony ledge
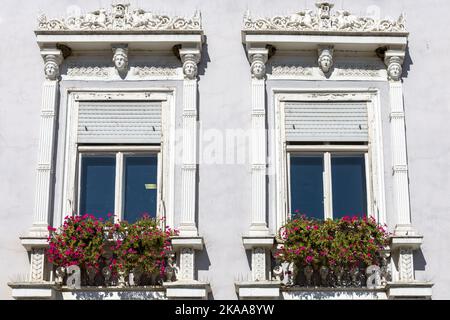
[258,289]
[187,289]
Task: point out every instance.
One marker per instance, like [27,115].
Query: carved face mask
[258,69]
[120,61]
[51,70]
[190,69]
[325,62]
[395,71]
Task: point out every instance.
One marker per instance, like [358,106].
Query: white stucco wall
[224,103]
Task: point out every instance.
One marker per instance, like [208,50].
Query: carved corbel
[394,62]
[52,61]
[325,59]
[190,58]
[258,59]
[120,58]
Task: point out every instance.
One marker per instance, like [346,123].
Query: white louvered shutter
[326,121]
[119,122]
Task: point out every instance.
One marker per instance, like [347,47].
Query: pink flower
[309,259]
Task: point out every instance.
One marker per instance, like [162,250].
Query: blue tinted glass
[307,185]
[349,186]
[98,176]
[140,187]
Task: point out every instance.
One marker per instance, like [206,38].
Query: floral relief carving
[357,70]
[97,71]
[120,17]
[291,70]
[155,71]
[37,264]
[323,20]
[259,264]
[187,263]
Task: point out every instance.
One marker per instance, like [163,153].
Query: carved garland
[323,20]
[120,17]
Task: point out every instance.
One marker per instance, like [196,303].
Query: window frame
[120,153]
[326,151]
[375,145]
[166,160]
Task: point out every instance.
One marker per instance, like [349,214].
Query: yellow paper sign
[150,186]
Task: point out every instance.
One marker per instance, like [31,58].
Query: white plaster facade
[224,77]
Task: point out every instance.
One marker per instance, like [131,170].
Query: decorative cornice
[120,18]
[323,20]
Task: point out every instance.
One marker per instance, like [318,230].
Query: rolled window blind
[326,121]
[119,122]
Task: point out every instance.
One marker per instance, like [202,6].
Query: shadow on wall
[419,260]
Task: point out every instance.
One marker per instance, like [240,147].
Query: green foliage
[348,242]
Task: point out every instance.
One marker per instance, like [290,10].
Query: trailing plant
[350,242]
[92,243]
[143,246]
[80,241]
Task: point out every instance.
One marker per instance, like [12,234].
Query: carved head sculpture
[51,67]
[394,68]
[325,59]
[120,59]
[258,69]
[190,69]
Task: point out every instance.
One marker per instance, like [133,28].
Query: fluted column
[45,166]
[190,59]
[405,239]
[258,59]
[394,60]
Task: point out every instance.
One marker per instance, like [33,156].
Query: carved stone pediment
[323,20]
[119,18]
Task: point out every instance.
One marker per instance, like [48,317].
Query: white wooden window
[328,181]
[133,131]
[121,180]
[336,132]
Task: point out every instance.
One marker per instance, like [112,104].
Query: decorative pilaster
[258,59]
[50,88]
[394,60]
[36,241]
[405,239]
[190,58]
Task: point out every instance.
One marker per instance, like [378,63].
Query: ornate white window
[328,154]
[110,97]
[320,80]
[119,154]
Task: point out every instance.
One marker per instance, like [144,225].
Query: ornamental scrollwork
[120,17]
[323,20]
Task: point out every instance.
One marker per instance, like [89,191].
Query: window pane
[140,187]
[349,186]
[307,185]
[98,176]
